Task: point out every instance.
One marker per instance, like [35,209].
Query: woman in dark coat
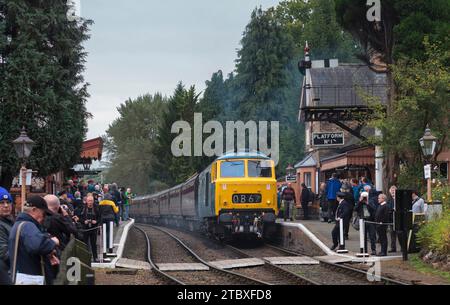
[305,198]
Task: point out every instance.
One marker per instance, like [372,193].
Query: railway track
[341,271]
[323,274]
[213,251]
[164,247]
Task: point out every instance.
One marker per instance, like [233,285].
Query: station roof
[308,161]
[92,149]
[346,85]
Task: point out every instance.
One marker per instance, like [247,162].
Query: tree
[42,60]
[212,107]
[130,142]
[265,54]
[168,168]
[422,98]
[396,36]
[401,30]
[325,36]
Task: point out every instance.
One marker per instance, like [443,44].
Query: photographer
[60,223]
[89,219]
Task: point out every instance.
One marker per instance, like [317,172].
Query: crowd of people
[32,242]
[352,199]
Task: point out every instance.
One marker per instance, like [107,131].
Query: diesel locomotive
[235,195]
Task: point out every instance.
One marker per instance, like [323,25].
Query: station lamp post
[428,145]
[289,173]
[23,146]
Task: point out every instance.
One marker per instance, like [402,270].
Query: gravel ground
[165,249]
[203,278]
[211,250]
[402,271]
[325,276]
[207,249]
[135,246]
[102,277]
[262,251]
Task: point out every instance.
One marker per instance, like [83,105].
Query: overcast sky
[147,46]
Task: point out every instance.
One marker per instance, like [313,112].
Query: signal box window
[232,169]
[261,169]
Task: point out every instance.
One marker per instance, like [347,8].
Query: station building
[334,103]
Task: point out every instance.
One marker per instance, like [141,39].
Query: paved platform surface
[132,264]
[119,238]
[323,230]
[292,260]
[183,267]
[238,263]
[334,259]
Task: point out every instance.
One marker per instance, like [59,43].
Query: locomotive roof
[244,155]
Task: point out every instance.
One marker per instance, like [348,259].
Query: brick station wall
[294,239]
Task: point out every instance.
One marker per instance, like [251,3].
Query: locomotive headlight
[268,202]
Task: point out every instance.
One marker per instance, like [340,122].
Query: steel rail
[241,278]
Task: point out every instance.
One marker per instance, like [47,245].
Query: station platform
[119,238]
[315,236]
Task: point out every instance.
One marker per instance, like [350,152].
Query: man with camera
[89,219]
[60,223]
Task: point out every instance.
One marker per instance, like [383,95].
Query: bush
[441,192]
[435,235]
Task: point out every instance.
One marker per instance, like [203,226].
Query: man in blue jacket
[6,223]
[333,187]
[36,249]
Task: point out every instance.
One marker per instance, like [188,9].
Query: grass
[416,262]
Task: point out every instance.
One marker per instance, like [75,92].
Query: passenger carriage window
[232,169]
[262,169]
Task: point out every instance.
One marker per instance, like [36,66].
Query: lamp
[428,143]
[23,146]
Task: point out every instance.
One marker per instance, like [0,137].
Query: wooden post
[23,172]
[429,195]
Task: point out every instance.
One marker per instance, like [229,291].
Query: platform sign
[292,179]
[328,138]
[427,171]
[28,178]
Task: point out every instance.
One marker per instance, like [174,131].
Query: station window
[261,169]
[232,169]
[307,179]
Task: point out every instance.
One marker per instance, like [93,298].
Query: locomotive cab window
[261,169]
[232,169]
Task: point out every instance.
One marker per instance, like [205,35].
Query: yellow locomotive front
[246,194]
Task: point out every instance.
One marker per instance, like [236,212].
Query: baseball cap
[39,203]
[340,194]
[5,195]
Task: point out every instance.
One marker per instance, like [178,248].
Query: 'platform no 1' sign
[328,138]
